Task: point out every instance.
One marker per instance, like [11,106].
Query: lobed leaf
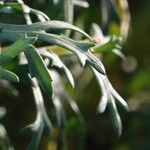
[56,62]
[49,26]
[79,48]
[109,95]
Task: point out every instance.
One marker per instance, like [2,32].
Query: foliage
[33,44]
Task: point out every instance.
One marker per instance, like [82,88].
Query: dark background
[133,84]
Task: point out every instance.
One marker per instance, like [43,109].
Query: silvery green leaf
[56,61]
[67,10]
[109,96]
[103,103]
[81,3]
[119,53]
[41,122]
[62,95]
[107,44]
[38,69]
[20,45]
[60,113]
[81,49]
[8,75]
[50,26]
[114,116]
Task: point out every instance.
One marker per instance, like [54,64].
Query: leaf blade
[38,69]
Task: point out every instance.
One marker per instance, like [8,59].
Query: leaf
[79,48]
[60,113]
[37,129]
[20,45]
[8,75]
[122,10]
[50,26]
[82,3]
[107,44]
[38,69]
[105,11]
[103,103]
[114,116]
[97,33]
[56,61]
[2,112]
[17,6]
[109,95]
[7,7]
[67,10]
[63,96]
[42,121]
[40,15]
[107,88]
[9,88]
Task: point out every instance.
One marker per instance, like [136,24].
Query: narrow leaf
[56,61]
[20,45]
[60,113]
[81,3]
[42,121]
[103,103]
[8,75]
[50,26]
[107,44]
[114,116]
[38,69]
[67,9]
[81,49]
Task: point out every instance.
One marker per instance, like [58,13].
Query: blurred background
[131,78]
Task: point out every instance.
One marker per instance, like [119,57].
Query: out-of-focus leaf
[9,7]
[81,3]
[8,75]
[105,8]
[2,112]
[20,45]
[103,103]
[56,62]
[60,92]
[114,116]
[38,69]
[109,95]
[119,54]
[9,88]
[67,10]
[26,11]
[108,44]
[60,113]
[97,33]
[16,6]
[42,121]
[4,139]
[40,15]
[122,9]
